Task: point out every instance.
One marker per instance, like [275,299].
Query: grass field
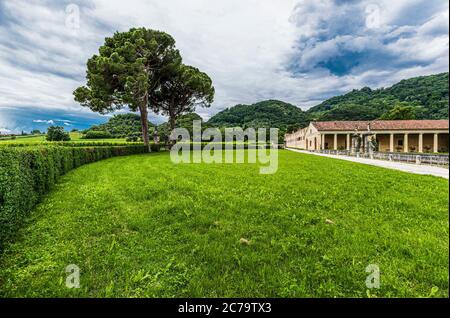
[141,226]
[74,136]
[24,139]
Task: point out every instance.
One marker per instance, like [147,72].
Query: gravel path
[406,167]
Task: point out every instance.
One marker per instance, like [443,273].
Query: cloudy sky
[299,51]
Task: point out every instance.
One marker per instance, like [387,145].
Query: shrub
[98,135]
[74,144]
[155,147]
[26,173]
[231,145]
[132,139]
[57,133]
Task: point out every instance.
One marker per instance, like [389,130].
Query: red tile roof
[382,125]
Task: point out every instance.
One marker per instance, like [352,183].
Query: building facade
[410,136]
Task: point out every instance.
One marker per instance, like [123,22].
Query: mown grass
[74,136]
[141,226]
[23,139]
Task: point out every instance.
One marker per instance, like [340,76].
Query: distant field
[23,139]
[141,226]
[75,137]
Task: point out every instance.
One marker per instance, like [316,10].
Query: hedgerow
[98,135]
[73,144]
[26,173]
[224,145]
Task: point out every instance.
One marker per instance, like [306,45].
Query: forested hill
[184,121]
[121,126]
[266,114]
[424,97]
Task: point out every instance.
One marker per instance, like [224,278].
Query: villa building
[412,136]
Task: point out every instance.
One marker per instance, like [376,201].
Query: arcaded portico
[410,136]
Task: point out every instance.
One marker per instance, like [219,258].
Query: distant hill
[121,126]
[184,121]
[424,97]
[266,114]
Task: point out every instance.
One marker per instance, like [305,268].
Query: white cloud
[5,131]
[48,122]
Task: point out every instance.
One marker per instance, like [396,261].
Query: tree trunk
[144,123]
[172,124]
[156,136]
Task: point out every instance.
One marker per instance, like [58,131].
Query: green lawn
[24,139]
[141,226]
[74,136]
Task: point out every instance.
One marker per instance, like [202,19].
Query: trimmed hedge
[95,134]
[72,144]
[154,147]
[26,173]
[233,145]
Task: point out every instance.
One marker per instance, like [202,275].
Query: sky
[298,51]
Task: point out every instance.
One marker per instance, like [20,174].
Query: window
[400,142]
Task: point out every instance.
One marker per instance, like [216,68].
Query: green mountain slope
[268,114]
[426,97]
[184,121]
[121,126]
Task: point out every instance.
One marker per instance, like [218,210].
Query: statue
[356,142]
[156,136]
[372,144]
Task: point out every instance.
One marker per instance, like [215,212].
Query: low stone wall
[414,158]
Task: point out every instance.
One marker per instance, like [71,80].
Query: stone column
[353,149]
[348,142]
[420,142]
[436,143]
[335,142]
[391,143]
[405,143]
[365,143]
[374,138]
[322,141]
